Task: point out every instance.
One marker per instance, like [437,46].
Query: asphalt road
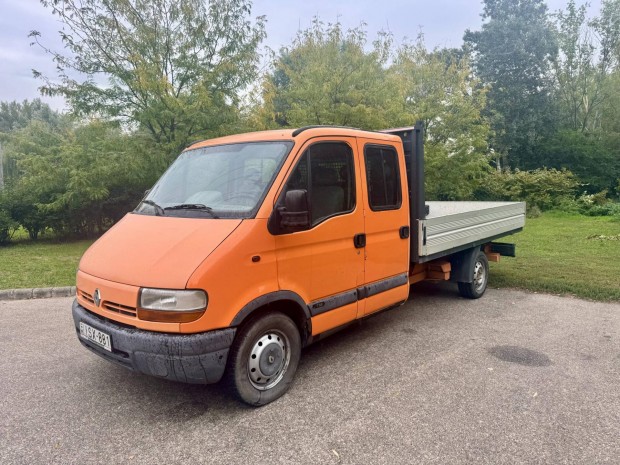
[511,378]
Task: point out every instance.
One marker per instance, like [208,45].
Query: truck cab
[252,246]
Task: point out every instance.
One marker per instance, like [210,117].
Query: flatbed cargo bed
[453,226]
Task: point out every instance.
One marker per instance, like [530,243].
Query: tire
[479,274]
[264,358]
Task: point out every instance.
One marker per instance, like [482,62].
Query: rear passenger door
[322,264]
[386,225]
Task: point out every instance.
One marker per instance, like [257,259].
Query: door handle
[359,240]
[404,232]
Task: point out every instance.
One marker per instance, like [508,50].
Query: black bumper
[192,358]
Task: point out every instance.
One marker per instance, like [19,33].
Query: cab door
[322,263]
[386,226]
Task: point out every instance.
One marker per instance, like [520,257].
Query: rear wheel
[479,275]
[264,359]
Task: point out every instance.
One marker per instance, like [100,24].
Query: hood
[155,251]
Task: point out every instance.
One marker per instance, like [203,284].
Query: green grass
[42,263]
[554,255]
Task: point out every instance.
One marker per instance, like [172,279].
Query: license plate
[94,335]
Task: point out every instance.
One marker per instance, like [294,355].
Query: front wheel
[479,275]
[264,358]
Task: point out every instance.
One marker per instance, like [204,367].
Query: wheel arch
[286,302]
[462,262]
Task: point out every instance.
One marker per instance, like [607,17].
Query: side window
[327,173]
[384,191]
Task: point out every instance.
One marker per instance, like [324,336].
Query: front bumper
[190,358]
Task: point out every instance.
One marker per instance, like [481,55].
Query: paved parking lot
[512,378]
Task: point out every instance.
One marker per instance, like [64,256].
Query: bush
[545,189]
[80,180]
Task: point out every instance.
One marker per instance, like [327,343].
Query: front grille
[119,308]
[86,296]
[110,306]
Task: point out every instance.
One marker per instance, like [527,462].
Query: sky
[442,22]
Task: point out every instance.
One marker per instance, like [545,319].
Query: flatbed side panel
[453,224]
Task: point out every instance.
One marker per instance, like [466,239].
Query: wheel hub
[268,360]
[479,276]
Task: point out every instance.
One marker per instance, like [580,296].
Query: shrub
[544,188]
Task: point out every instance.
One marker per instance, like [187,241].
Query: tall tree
[15,115]
[174,67]
[327,77]
[513,53]
[437,87]
[582,67]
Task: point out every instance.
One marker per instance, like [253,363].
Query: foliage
[593,157]
[80,180]
[7,224]
[437,88]
[326,77]
[579,70]
[597,205]
[512,53]
[15,115]
[542,188]
[173,67]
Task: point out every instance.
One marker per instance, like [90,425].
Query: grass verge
[42,263]
[556,253]
[564,254]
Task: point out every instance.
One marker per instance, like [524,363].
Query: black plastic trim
[504,249]
[386,285]
[333,302]
[190,358]
[345,298]
[268,299]
[298,131]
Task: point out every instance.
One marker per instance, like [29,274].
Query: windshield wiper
[158,210]
[193,206]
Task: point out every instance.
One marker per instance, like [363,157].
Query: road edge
[37,293]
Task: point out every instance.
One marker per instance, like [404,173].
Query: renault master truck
[253,246]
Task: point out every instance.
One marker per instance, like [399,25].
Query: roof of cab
[303,133]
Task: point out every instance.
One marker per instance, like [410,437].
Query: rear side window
[326,172]
[384,191]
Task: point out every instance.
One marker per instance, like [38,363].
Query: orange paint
[216,255]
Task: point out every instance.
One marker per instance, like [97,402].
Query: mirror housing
[295,214]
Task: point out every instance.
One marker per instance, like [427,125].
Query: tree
[15,115]
[80,180]
[172,67]
[513,53]
[583,64]
[327,77]
[437,87]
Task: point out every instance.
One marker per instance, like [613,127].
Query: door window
[384,191]
[326,172]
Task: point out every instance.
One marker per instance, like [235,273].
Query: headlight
[166,305]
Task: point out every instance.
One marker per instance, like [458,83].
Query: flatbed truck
[253,246]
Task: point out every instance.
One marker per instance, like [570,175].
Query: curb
[37,293]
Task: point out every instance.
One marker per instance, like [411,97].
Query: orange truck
[253,246]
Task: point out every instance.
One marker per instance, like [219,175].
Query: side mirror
[294,214]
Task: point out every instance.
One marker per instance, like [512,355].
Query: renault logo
[97,297]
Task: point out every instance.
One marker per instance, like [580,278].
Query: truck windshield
[224,181]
